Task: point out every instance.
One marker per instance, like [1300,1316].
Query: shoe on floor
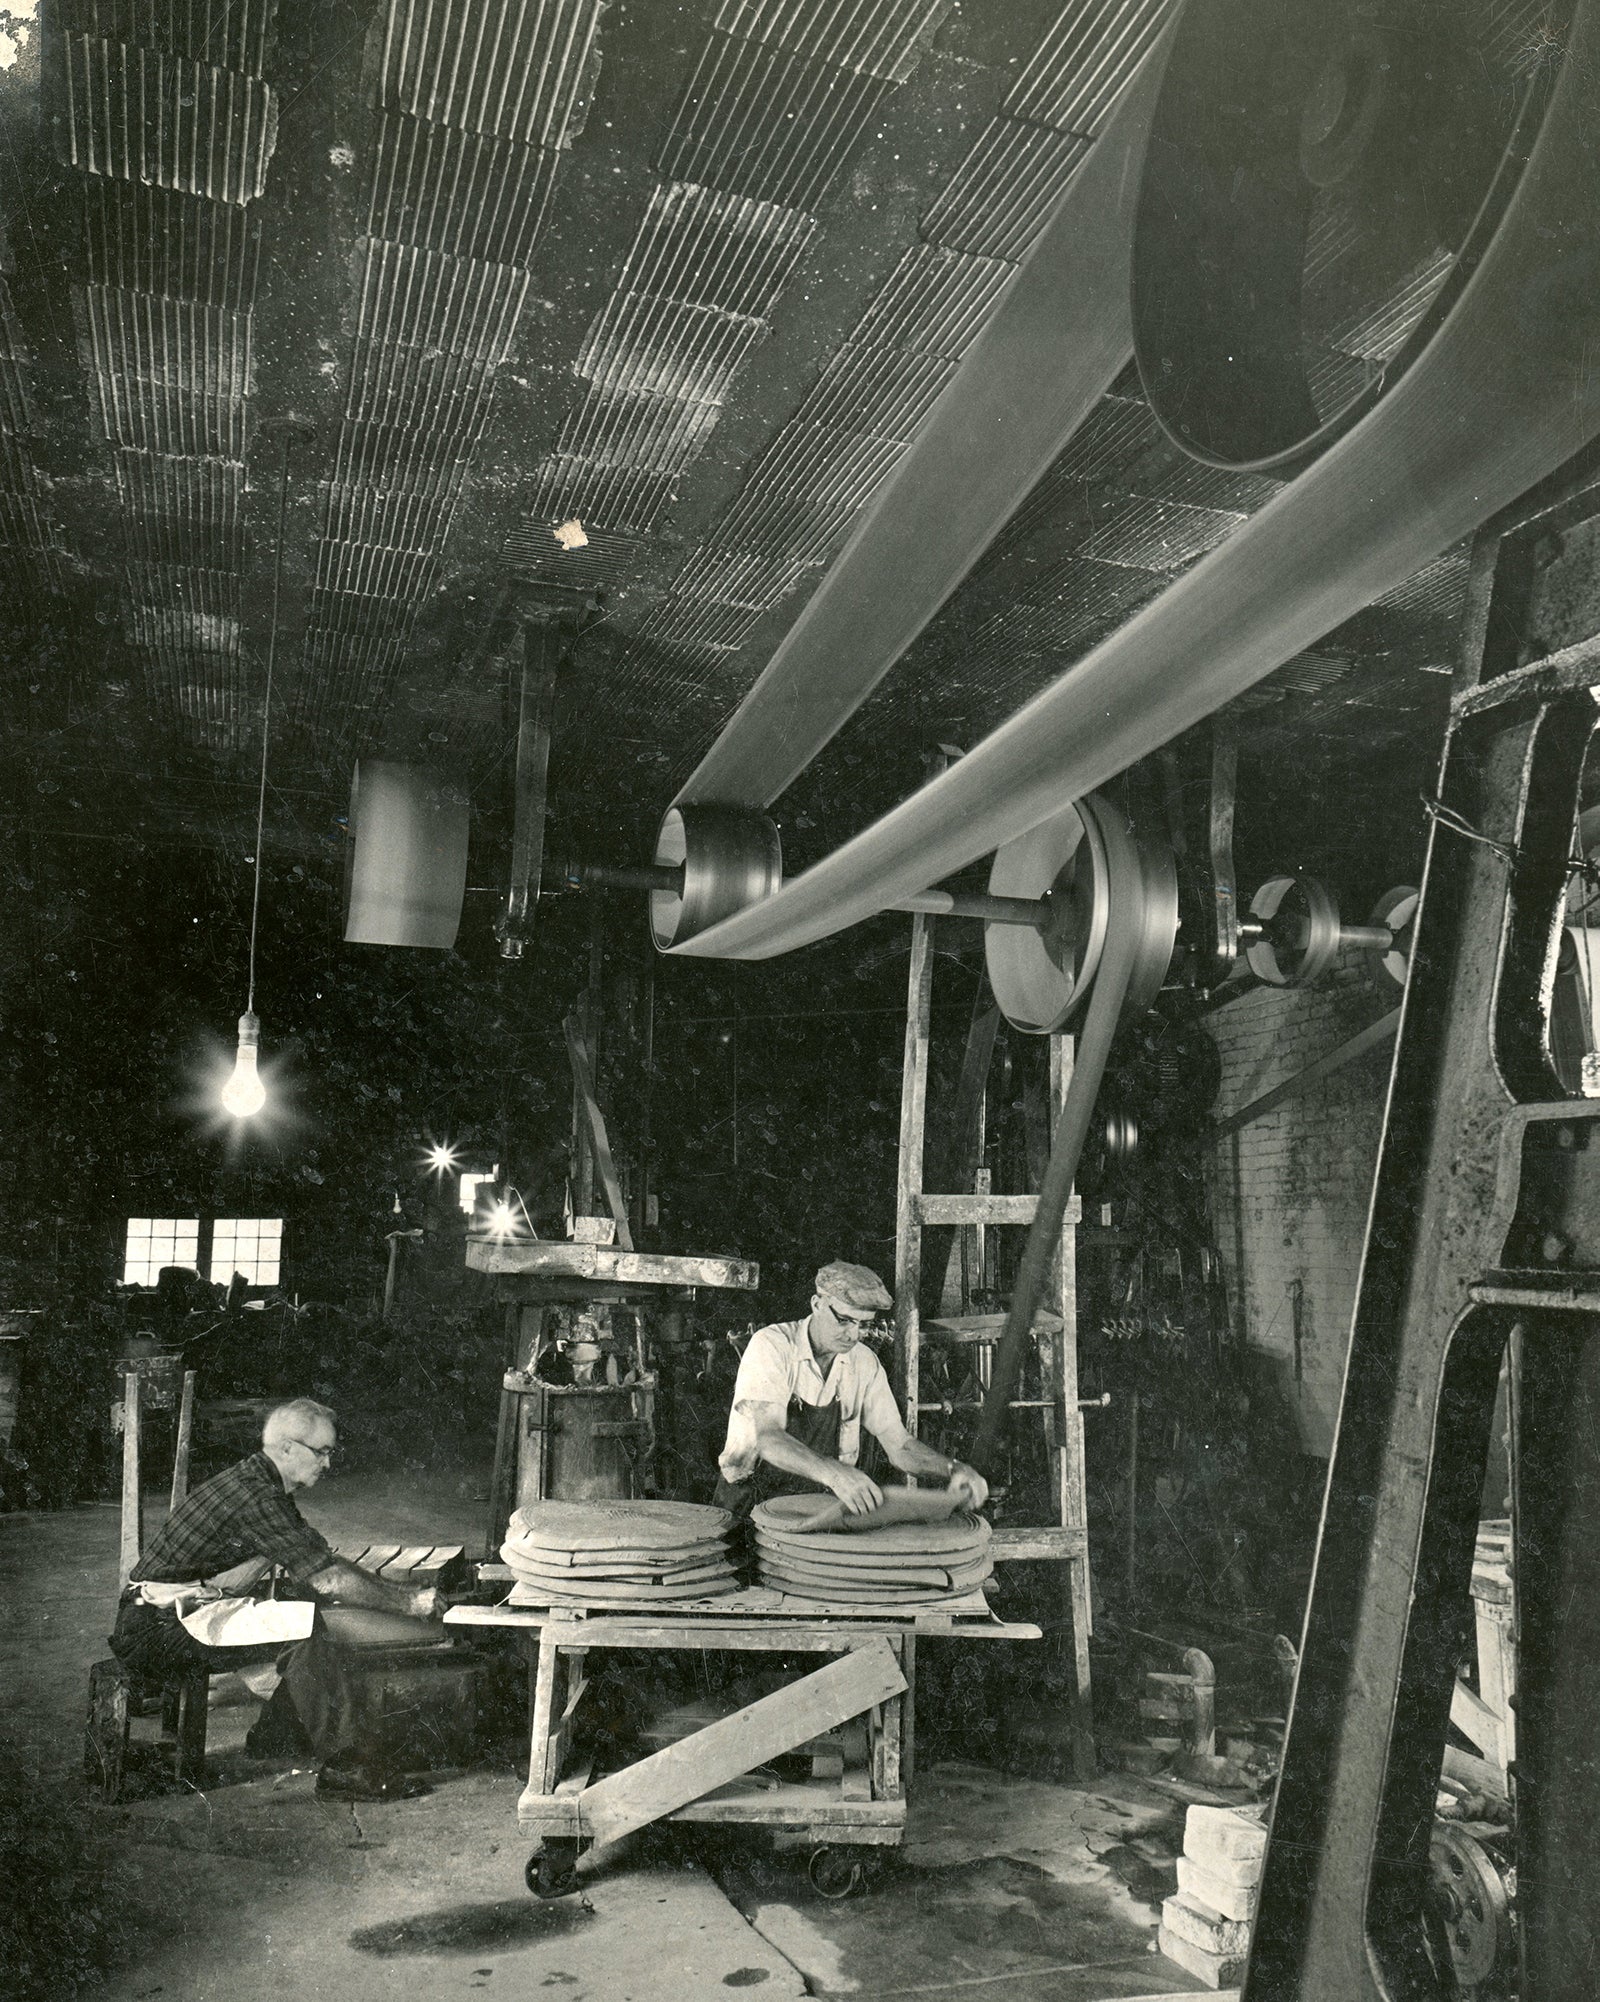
[369,1782]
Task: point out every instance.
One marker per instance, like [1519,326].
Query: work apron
[814,1425]
[218,1612]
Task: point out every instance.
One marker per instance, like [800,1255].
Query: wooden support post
[132,1526]
[503,1476]
[540,1708]
[599,1139]
[180,1452]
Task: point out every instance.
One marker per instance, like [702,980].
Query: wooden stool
[184,1702]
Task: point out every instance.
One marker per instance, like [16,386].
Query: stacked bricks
[1205,1928]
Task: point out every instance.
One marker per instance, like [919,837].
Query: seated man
[188,1601]
[804,1391]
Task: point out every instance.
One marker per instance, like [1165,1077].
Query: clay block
[1226,1840]
[1214,1969]
[1204,1887]
[1201,1926]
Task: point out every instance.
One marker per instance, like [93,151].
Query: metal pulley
[725,858]
[1294,934]
[1041,972]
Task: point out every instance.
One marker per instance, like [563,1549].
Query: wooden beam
[986,1209]
[180,1451]
[763,1730]
[132,1527]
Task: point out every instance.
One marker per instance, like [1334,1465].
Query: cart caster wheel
[552,1872]
[834,1873]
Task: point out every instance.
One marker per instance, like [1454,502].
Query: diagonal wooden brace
[763,1730]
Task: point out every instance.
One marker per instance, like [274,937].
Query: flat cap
[855,1286]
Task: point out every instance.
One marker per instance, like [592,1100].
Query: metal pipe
[1056,343]
[1403,485]
[969,904]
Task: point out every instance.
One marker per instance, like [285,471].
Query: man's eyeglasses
[323,1453]
[861,1324]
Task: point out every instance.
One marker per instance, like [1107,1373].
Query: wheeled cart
[858,1699]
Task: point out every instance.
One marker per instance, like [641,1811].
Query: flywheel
[1322,179]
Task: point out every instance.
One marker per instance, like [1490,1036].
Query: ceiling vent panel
[370,571]
[430,396]
[15,412]
[512,69]
[705,248]
[737,577]
[800,513]
[620,497]
[604,559]
[1084,61]
[876,392]
[139,114]
[883,38]
[935,302]
[207,599]
[703,623]
[388,456]
[760,121]
[168,376]
[358,617]
[1159,535]
[231,34]
[396,519]
[1003,193]
[427,299]
[182,510]
[662,348]
[174,627]
[154,240]
[639,431]
[462,193]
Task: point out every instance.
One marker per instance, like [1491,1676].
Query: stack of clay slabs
[642,1553]
[888,1564]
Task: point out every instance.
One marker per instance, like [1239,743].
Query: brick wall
[1290,1191]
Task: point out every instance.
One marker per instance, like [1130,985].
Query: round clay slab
[606,1563]
[936,1578]
[617,1525]
[866,1553]
[572,1581]
[919,1538]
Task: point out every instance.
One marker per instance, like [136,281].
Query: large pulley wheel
[1299,931]
[730,858]
[1322,179]
[1041,976]
[1468,1897]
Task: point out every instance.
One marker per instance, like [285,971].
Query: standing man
[192,1598]
[803,1393]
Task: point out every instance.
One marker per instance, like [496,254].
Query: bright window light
[252,1245]
[470,1185]
[157,1241]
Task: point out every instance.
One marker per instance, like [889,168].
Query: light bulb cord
[266,719]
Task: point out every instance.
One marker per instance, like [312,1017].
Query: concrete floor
[1006,1887]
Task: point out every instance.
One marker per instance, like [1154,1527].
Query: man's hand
[969,1483]
[858,1493]
[426,1604]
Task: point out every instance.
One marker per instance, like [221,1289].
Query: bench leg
[105,1735]
[185,1703]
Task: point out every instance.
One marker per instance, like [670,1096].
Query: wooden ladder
[1065,1541]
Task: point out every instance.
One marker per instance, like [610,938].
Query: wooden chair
[185,1697]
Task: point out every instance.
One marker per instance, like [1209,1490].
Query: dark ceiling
[392,289]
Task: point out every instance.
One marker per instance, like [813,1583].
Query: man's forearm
[792,1456]
[345,1584]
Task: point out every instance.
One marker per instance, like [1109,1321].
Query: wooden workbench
[713,1775]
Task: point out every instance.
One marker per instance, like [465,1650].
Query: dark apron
[814,1425]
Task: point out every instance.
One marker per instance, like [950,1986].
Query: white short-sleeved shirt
[778,1364]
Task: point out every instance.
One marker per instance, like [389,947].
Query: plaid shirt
[242,1513]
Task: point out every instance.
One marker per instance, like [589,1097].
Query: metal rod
[969,904]
[1099,1403]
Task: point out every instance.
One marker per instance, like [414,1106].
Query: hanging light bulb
[244,1093]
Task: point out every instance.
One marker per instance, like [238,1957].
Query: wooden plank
[549,1259]
[683,1772]
[541,1697]
[986,1209]
[823,1633]
[180,1451]
[790,1808]
[1475,1720]
[573,1783]
[132,1526]
[405,1560]
[599,1139]
[379,1554]
[1044,1543]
